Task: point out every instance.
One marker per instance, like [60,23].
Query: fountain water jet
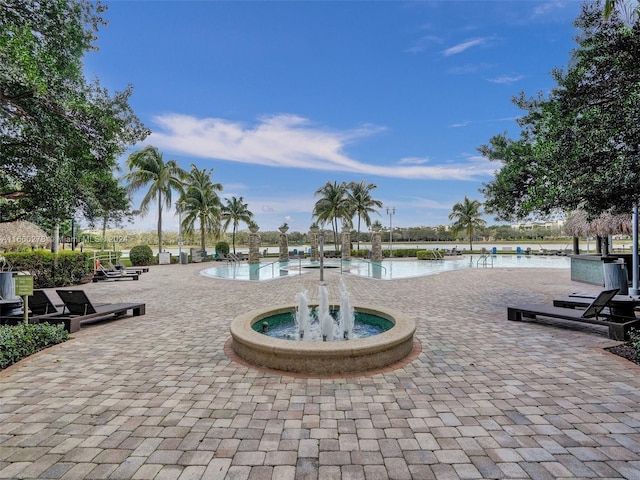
[302,315]
[347,316]
[324,317]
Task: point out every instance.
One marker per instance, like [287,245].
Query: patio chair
[594,313]
[78,306]
[104,274]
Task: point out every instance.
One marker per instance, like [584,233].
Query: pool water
[386,270]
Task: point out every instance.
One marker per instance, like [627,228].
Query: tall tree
[147,167]
[579,147]
[200,202]
[332,206]
[362,203]
[467,217]
[234,212]
[55,127]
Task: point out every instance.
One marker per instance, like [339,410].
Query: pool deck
[158,396]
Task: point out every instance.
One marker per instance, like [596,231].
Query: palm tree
[200,202]
[361,202]
[147,166]
[467,217]
[332,205]
[235,211]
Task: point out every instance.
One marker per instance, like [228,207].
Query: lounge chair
[121,267]
[594,313]
[104,274]
[79,308]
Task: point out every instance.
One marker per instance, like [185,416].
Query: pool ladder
[485,261]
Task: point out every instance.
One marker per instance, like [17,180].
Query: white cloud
[412,161]
[286,141]
[461,47]
[507,79]
[423,43]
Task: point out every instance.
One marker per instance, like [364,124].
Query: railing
[370,265]
[273,273]
[485,261]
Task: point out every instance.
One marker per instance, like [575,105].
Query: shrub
[49,269]
[634,336]
[141,255]
[222,247]
[20,341]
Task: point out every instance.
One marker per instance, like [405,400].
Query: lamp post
[391,211]
[321,258]
[179,208]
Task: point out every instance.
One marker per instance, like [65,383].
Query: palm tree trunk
[159,222]
[233,238]
[358,232]
[202,233]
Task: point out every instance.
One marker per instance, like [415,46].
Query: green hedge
[401,252]
[20,341]
[141,255]
[52,270]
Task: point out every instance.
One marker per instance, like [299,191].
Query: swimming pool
[386,270]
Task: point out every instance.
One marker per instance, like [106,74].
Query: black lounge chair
[104,274]
[594,313]
[79,308]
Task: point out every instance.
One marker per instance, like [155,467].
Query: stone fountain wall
[254,248]
[376,247]
[284,248]
[346,245]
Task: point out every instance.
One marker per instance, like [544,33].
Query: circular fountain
[322,357]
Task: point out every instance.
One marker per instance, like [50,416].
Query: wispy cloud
[507,79]
[466,123]
[469,68]
[288,141]
[413,161]
[461,47]
[423,43]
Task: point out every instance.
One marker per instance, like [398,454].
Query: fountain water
[324,317]
[302,315]
[346,312]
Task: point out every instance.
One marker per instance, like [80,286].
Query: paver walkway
[156,397]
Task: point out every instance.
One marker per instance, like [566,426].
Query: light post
[321,258]
[391,211]
[179,208]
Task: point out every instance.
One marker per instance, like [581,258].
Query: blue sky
[282,97]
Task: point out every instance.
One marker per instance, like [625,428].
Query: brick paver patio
[157,397]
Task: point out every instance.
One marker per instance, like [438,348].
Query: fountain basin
[357,355]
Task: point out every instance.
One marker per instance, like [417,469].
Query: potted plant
[283,228]
[314,228]
[376,226]
[253,227]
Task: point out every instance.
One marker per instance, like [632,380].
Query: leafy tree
[57,130]
[147,167]
[579,147]
[332,206]
[200,202]
[467,217]
[362,203]
[234,212]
